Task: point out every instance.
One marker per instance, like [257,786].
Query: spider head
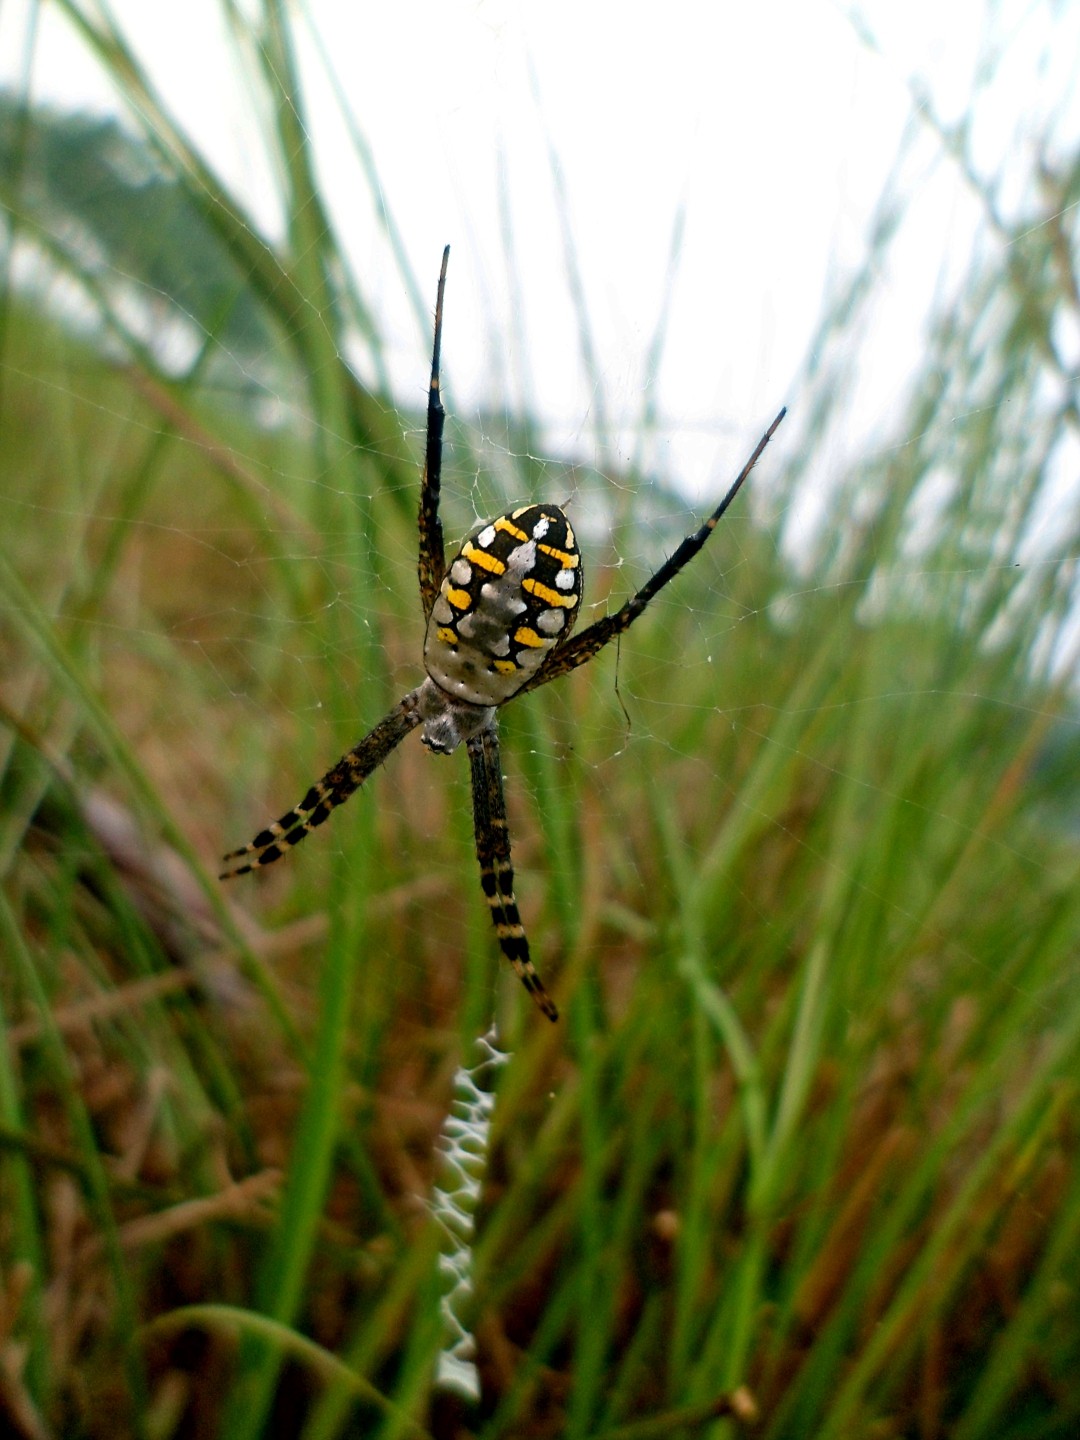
[448,723]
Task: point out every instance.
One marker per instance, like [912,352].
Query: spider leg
[432,560]
[588,642]
[496,870]
[326,794]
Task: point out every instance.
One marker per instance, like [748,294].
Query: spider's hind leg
[589,642]
[496,869]
[432,559]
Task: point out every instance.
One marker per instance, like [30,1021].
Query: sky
[560,148]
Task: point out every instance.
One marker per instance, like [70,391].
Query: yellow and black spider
[498,624]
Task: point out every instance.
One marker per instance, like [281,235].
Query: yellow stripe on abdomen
[549,597]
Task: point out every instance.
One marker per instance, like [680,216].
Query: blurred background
[798,859]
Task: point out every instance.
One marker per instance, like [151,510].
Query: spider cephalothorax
[498,623]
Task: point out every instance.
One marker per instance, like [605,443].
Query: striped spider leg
[432,561]
[353,768]
[590,641]
[493,853]
[498,623]
[326,794]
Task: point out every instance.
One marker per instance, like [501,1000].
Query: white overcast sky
[774,126]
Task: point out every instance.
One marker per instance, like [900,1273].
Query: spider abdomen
[508,597]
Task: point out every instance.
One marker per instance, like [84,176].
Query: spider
[498,624]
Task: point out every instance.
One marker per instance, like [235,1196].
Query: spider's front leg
[327,794]
[496,870]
